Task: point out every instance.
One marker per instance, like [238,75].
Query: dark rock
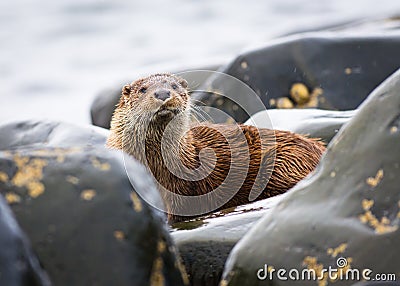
[73,198]
[349,208]
[317,123]
[104,103]
[205,243]
[338,69]
[103,106]
[18,265]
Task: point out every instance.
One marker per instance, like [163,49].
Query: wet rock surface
[349,209]
[18,265]
[317,123]
[74,200]
[205,243]
[333,70]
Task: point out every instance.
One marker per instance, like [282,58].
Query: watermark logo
[342,272]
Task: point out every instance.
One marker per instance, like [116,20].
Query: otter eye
[174,86]
[143,90]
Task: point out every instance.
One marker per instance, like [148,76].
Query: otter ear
[183,83]
[126,90]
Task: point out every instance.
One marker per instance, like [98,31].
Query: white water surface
[56,55]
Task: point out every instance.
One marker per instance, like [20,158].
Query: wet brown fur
[287,156]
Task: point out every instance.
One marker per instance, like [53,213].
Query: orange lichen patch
[374,181]
[219,101]
[161,246]
[88,195]
[73,180]
[314,99]
[12,198]
[35,189]
[157,277]
[98,165]
[119,235]
[272,102]
[230,120]
[182,270]
[137,204]
[3,177]
[393,129]
[29,174]
[299,93]
[338,250]
[179,265]
[284,102]
[244,65]
[312,264]
[59,153]
[381,227]
[367,204]
[60,159]
[270,268]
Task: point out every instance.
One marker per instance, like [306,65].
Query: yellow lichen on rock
[299,93]
[3,177]
[381,227]
[312,264]
[179,265]
[98,165]
[12,198]
[161,246]
[119,235]
[157,276]
[374,181]
[338,250]
[35,189]
[29,174]
[283,103]
[71,179]
[314,99]
[88,195]
[244,65]
[137,204]
[367,204]
[393,129]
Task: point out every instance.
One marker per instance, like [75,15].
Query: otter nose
[162,94]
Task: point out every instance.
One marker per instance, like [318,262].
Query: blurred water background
[56,55]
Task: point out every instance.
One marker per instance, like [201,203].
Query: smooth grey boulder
[73,198]
[317,123]
[349,209]
[339,67]
[204,243]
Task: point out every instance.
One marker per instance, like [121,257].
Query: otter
[152,122]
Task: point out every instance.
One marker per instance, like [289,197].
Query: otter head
[148,108]
[159,97]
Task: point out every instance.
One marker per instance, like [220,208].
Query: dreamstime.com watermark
[341,273]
